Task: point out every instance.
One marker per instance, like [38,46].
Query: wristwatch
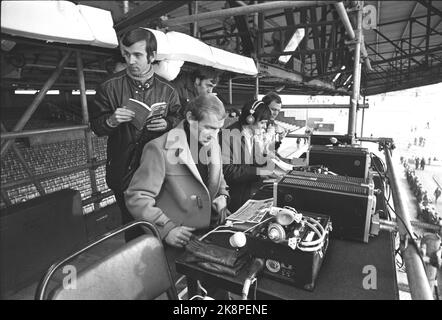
[110,123]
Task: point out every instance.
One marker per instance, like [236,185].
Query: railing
[414,265]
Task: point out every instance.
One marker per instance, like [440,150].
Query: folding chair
[138,270]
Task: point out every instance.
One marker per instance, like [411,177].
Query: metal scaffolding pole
[349,29]
[417,279]
[356,74]
[230,91]
[238,11]
[36,132]
[87,132]
[38,99]
[362,121]
[195,25]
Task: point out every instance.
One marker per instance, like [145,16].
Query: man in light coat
[179,185]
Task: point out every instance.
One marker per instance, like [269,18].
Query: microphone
[255,268]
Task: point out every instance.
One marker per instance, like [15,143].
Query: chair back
[137,270]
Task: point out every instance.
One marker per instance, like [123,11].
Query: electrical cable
[256,266]
[413,240]
[321,234]
[256,287]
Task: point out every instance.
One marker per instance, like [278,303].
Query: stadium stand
[44,159]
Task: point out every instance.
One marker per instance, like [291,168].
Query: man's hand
[282,134]
[157,125]
[179,236]
[121,115]
[219,203]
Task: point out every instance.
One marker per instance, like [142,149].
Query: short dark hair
[204,104]
[271,96]
[262,112]
[203,73]
[139,34]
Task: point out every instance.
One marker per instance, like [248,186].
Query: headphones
[250,118]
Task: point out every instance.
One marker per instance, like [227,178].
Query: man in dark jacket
[199,82]
[273,101]
[109,117]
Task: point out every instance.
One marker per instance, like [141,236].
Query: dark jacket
[241,175]
[185,88]
[125,142]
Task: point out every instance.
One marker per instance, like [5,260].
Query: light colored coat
[167,188]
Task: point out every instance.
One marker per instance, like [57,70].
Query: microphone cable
[255,268]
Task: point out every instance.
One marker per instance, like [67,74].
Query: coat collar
[178,149]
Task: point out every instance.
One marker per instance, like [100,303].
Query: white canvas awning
[59,21]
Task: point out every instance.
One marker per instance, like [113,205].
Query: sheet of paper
[252,210]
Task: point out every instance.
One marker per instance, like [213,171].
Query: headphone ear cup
[250,119]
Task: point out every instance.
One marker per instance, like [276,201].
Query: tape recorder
[349,161]
[349,201]
[293,245]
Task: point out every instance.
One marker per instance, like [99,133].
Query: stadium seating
[50,157]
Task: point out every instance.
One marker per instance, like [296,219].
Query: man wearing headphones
[244,154]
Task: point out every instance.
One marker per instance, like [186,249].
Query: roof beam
[377,31]
[238,11]
[379,55]
[332,40]
[378,19]
[431,28]
[435,56]
[427,37]
[243,28]
[436,49]
[289,17]
[410,19]
[402,20]
[382,42]
[316,36]
[282,28]
[435,26]
[323,29]
[147,11]
[430,7]
[267,19]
